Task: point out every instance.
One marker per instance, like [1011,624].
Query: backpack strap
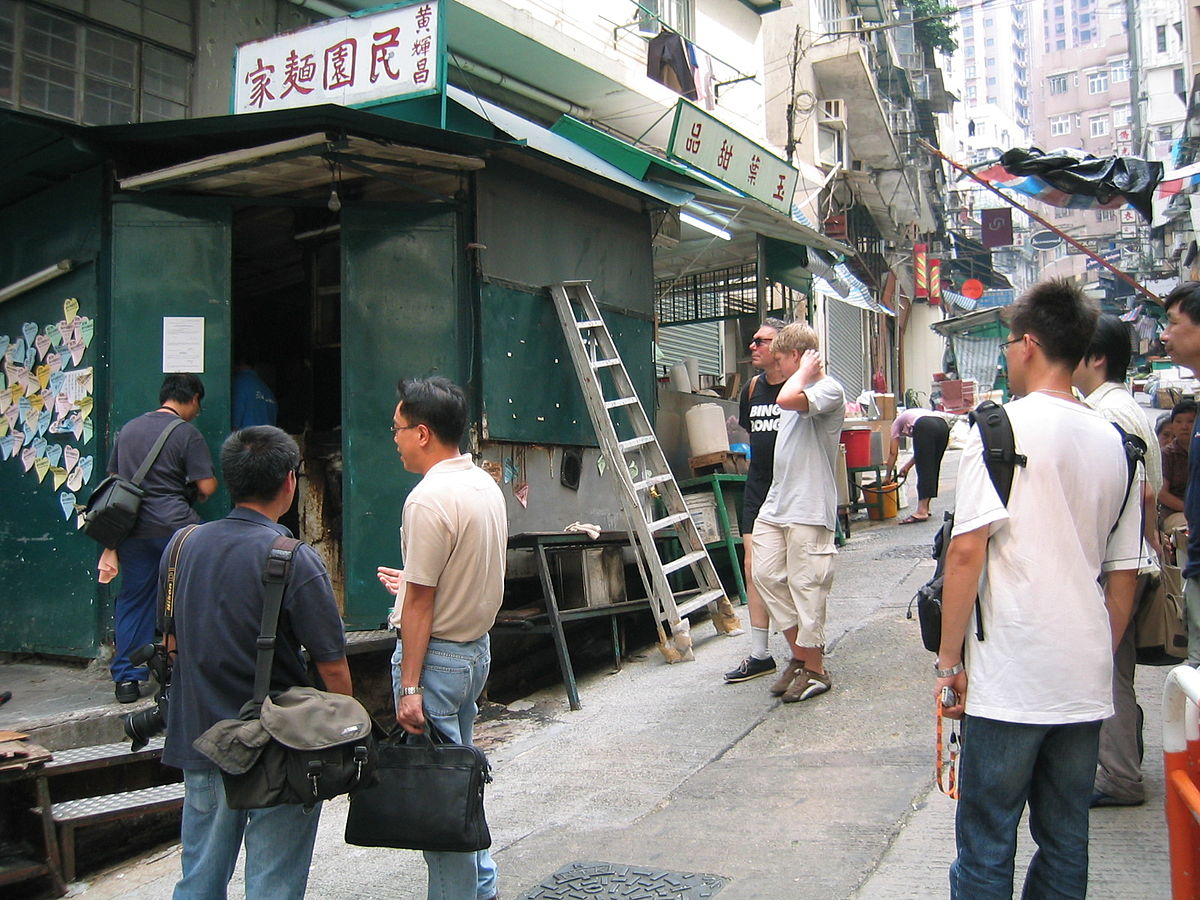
[1135,455]
[999,446]
[277,570]
[155,450]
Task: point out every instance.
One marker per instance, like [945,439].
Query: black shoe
[1099,798]
[128,691]
[750,667]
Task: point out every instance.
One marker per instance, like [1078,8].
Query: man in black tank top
[759,415]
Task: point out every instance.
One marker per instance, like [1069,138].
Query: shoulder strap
[999,446]
[276,571]
[1135,454]
[155,449]
[750,388]
[168,616]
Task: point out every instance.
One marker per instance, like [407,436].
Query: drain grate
[601,880]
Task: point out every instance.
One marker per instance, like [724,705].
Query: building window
[1120,71]
[1180,85]
[989,42]
[1097,81]
[971,92]
[62,67]
[1160,38]
[1060,28]
[1164,132]
[677,14]
[1098,126]
[1057,84]
[968,32]
[831,15]
[1106,215]
[1060,45]
[970,72]
[990,62]
[1060,125]
[1122,115]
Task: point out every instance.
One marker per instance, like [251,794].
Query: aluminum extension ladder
[641,468]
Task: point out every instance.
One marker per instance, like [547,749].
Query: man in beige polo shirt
[454,537]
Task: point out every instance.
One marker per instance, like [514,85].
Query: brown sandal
[912,519]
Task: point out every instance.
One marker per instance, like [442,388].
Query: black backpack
[1001,458]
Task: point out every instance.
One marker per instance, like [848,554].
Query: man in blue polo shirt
[219,594]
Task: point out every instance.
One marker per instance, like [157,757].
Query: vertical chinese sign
[921,285]
[935,281]
[708,144]
[360,60]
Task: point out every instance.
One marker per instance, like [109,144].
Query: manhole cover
[599,880]
[917,551]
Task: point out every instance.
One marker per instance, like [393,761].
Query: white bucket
[693,370]
[706,429]
[680,380]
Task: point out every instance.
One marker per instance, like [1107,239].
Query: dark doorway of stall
[286,314]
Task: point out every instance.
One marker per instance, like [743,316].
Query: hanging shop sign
[360,60]
[708,144]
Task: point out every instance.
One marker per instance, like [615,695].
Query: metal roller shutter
[699,339]
[846,353]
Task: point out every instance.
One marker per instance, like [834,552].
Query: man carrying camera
[218,601]
[182,472]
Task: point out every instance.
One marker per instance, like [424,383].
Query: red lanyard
[947,757]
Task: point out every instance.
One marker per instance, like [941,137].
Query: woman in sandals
[930,433]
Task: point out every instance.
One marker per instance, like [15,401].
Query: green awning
[626,157]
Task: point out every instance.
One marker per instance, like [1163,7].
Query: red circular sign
[972,288]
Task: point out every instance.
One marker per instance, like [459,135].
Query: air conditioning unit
[833,113]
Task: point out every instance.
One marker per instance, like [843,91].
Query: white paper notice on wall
[183,344]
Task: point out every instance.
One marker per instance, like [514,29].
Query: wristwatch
[409,691]
[947,673]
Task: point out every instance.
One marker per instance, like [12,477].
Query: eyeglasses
[395,428]
[1004,345]
[759,342]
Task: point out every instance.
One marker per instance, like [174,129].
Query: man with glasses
[1032,711]
[453,541]
[758,414]
[182,474]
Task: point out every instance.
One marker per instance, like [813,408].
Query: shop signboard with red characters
[388,54]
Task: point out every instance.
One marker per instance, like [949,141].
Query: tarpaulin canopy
[1075,179]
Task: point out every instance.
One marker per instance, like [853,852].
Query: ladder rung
[620,401]
[683,562]
[668,521]
[602,363]
[650,482]
[590,323]
[634,443]
[704,599]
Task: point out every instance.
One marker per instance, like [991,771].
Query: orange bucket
[884,500]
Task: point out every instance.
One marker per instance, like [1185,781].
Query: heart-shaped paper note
[54,361]
[75,479]
[42,344]
[4,426]
[54,334]
[85,406]
[67,502]
[42,374]
[56,381]
[4,344]
[27,458]
[43,421]
[39,446]
[76,348]
[59,474]
[62,403]
[64,330]
[6,446]
[87,330]
[54,453]
[35,401]
[30,330]
[86,432]
[70,457]
[18,351]
[70,308]
[41,466]
[85,466]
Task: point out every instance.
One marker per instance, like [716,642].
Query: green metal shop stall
[335,250]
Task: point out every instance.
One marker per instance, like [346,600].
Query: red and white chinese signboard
[715,149]
[354,61]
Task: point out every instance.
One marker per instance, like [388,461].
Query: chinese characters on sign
[351,61]
[708,144]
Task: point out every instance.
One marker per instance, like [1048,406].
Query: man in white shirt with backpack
[1034,690]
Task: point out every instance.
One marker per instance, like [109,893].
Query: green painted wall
[531,393]
[403,315]
[50,600]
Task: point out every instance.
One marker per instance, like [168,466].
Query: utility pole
[790,113]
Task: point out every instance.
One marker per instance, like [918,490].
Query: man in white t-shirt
[794,532]
[454,540]
[1100,376]
[1040,680]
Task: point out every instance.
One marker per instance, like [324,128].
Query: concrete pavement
[665,767]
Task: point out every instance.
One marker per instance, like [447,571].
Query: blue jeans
[1004,766]
[279,843]
[453,678]
[136,603]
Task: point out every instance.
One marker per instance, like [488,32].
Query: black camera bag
[112,509]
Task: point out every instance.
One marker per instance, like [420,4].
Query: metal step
[606,363]
[666,522]
[621,401]
[634,443]
[699,602]
[640,486]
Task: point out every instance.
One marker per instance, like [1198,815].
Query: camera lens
[142,725]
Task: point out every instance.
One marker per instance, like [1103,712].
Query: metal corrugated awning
[546,141]
[836,279]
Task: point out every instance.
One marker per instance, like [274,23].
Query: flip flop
[912,519]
